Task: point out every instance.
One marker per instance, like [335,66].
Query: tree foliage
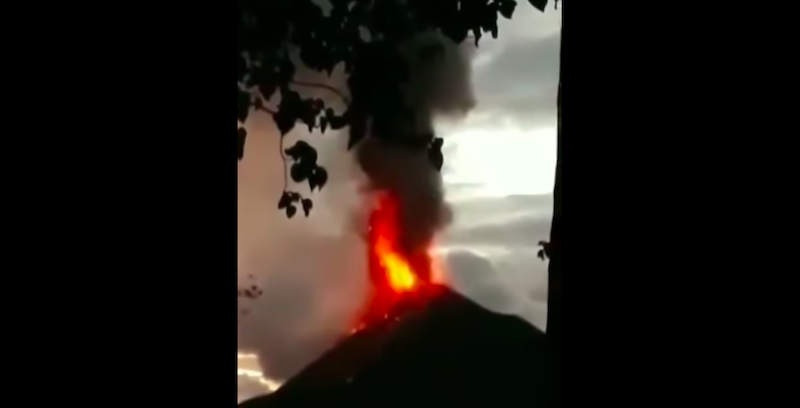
[361,35]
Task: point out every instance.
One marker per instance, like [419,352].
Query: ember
[396,274]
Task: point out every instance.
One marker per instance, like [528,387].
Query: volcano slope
[445,351]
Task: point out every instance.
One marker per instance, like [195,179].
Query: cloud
[249,387]
[516,76]
[492,253]
[492,244]
[530,24]
[508,230]
[494,283]
[312,271]
[521,82]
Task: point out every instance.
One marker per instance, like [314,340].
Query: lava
[396,274]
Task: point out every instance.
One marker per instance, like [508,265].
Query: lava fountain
[398,277]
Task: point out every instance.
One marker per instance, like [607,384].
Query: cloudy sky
[499,173]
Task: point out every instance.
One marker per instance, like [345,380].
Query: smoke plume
[311,272]
[436,86]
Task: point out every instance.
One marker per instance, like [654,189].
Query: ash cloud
[312,272]
[438,86]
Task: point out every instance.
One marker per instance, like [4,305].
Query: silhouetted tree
[364,36]
[555,279]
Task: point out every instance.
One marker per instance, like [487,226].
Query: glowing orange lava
[398,272]
[395,273]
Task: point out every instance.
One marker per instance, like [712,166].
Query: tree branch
[326,87]
[266,109]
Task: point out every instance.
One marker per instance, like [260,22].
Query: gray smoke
[436,87]
[311,272]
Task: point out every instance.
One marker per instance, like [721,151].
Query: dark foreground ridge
[448,353]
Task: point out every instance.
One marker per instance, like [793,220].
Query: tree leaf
[302,151]
[307,206]
[293,197]
[318,178]
[284,122]
[545,251]
[291,101]
[539,4]
[301,171]
[337,122]
[435,153]
[323,123]
[284,201]
[242,134]
[476,32]
[507,8]
[363,37]
[267,89]
[489,24]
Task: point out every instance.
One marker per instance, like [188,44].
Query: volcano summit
[446,351]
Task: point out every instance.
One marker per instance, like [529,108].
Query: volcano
[446,351]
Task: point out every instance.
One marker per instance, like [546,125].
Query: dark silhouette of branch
[326,87]
[545,252]
[260,106]
[266,109]
[327,40]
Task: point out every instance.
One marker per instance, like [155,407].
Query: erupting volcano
[400,277]
[417,341]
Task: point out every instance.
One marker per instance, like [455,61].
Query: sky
[499,173]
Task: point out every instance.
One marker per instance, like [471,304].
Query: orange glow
[438,275]
[395,272]
[398,271]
